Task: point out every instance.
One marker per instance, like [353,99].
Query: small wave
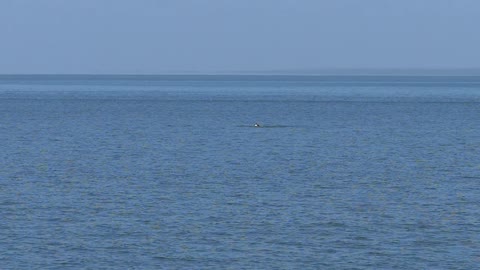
[266,126]
[470,177]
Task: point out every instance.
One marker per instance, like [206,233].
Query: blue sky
[217,36]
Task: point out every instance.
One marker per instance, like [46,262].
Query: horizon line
[286,72]
[4,75]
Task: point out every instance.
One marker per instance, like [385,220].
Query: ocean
[169,172]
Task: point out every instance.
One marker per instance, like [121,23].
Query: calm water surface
[168,173]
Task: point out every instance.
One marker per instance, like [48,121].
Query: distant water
[168,172]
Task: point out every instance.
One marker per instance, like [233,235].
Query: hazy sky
[208,36]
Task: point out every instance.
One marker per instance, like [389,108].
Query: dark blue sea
[168,172]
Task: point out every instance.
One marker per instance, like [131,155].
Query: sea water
[168,172]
